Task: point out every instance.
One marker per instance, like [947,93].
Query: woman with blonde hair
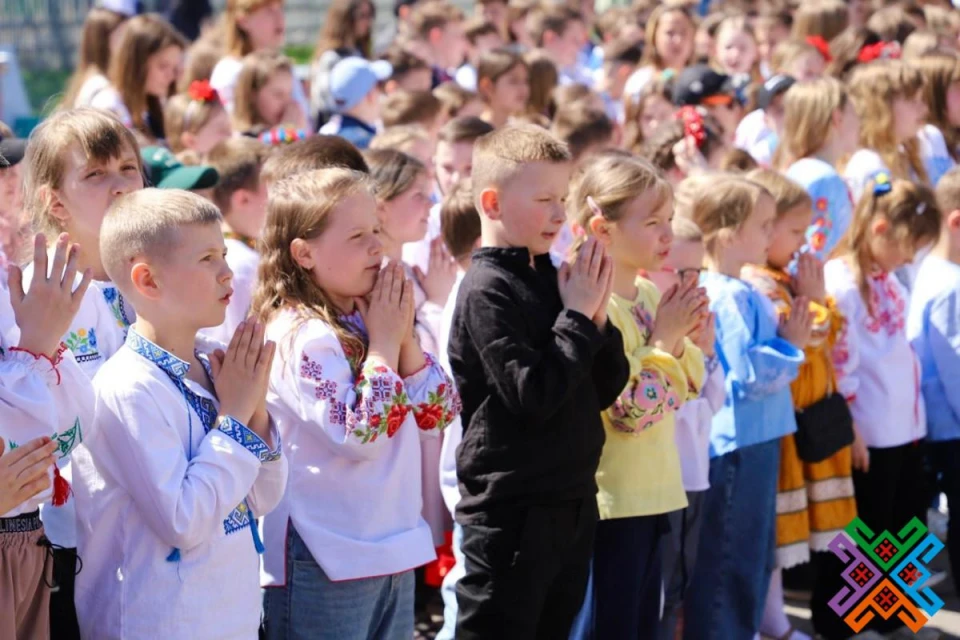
[820,129]
[143,75]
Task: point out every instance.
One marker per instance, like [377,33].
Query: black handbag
[823,428]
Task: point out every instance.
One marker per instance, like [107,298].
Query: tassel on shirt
[174,555]
[61,489]
[255,530]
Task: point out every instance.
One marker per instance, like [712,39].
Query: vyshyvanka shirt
[351,429]
[167,497]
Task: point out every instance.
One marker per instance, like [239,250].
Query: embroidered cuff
[253,443]
[39,363]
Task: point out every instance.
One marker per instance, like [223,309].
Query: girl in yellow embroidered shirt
[629,207]
[814,501]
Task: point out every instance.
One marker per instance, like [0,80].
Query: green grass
[43,85]
[299,53]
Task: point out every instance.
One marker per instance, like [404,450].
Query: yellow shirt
[639,470]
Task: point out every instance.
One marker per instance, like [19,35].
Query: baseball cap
[773,87]
[166,172]
[351,79]
[696,85]
[123,7]
[12,150]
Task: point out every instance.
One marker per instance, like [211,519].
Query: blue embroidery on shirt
[176,369]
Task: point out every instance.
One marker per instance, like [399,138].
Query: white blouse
[352,431]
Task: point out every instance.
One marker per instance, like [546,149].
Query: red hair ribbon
[822,46]
[692,124]
[879,50]
[201,91]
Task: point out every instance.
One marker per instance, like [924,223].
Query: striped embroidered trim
[791,501]
[830,489]
[252,442]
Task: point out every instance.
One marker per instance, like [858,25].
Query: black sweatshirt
[534,378]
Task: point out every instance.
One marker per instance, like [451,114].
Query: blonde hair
[912,213]
[257,70]
[808,116]
[339,28]
[495,64]
[201,59]
[93,55]
[686,230]
[943,22]
[919,44]
[236,41]
[143,37]
[940,71]
[401,137]
[149,223]
[182,114]
[453,98]
[393,172]
[613,182]
[499,156]
[651,57]
[658,87]
[787,52]
[409,107]
[99,135]
[892,23]
[948,192]
[687,192]
[787,194]
[724,207]
[873,88]
[300,207]
[824,18]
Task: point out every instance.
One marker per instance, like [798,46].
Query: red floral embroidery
[428,416]
[821,204]
[644,320]
[888,308]
[398,413]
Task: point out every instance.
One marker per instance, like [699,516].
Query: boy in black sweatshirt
[536,362]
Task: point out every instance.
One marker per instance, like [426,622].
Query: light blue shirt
[933,328]
[758,367]
[832,205]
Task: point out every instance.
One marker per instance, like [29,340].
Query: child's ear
[144,281]
[953,220]
[600,228]
[302,253]
[490,203]
[880,226]
[53,203]
[239,199]
[390,86]
[484,87]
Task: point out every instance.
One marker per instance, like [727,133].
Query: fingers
[39,255]
[252,357]
[235,341]
[216,362]
[81,288]
[362,306]
[35,486]
[265,358]
[243,345]
[15,282]
[420,275]
[397,286]
[59,258]
[39,451]
[563,273]
[70,273]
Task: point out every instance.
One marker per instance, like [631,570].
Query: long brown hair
[236,41]
[258,67]
[300,207]
[339,28]
[873,88]
[940,71]
[93,55]
[651,57]
[659,86]
[912,213]
[144,36]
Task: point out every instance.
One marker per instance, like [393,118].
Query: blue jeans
[449,589]
[311,606]
[732,572]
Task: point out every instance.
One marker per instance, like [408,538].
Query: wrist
[38,347]
[388,353]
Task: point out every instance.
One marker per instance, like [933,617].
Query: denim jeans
[735,559]
[311,606]
[449,589]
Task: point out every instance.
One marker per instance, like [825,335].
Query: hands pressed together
[586,285]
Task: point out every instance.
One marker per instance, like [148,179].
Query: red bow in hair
[692,124]
[879,50]
[822,46]
[201,91]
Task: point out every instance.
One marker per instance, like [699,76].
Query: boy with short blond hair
[932,326]
[185,457]
[536,362]
[241,195]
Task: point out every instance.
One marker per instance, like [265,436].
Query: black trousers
[63,615]
[527,571]
[945,459]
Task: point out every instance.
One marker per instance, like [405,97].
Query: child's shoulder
[291,329]
[863,164]
[839,279]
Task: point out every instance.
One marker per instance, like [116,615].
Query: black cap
[699,82]
[12,150]
[773,87]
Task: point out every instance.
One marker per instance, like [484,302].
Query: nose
[226,274]
[123,185]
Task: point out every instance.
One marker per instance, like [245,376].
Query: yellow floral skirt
[814,503]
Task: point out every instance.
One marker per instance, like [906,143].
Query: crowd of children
[613,317]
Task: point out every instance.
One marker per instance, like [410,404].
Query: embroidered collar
[247,240]
[170,364]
